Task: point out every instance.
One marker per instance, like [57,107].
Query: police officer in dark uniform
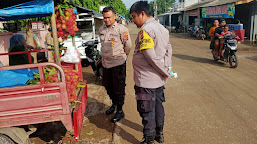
[151,62]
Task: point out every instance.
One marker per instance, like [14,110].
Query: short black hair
[215,20]
[222,20]
[108,8]
[140,6]
[226,26]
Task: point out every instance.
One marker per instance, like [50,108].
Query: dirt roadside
[209,102]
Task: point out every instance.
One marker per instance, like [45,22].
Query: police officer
[151,62]
[116,45]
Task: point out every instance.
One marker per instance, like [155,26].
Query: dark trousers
[114,81]
[150,108]
[212,44]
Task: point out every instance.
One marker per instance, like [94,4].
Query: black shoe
[118,116]
[111,110]
[159,134]
[222,58]
[148,139]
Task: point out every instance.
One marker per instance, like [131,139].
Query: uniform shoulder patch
[145,40]
[125,35]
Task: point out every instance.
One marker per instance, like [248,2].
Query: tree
[152,6]
[91,4]
[77,2]
[118,5]
[128,15]
[163,5]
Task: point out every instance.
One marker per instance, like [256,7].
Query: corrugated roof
[219,2]
[170,13]
[195,6]
[209,3]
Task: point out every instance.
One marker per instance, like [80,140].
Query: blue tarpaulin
[18,77]
[32,9]
[121,16]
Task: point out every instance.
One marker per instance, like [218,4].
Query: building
[178,5]
[203,12]
[172,19]
[192,12]
[1,25]
[246,13]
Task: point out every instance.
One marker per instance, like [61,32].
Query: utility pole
[198,16]
[155,9]
[165,6]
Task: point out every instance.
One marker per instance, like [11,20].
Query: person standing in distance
[116,45]
[151,63]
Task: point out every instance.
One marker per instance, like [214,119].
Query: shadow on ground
[102,121]
[198,59]
[49,132]
[91,78]
[185,36]
[254,58]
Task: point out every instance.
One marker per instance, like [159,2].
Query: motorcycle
[180,29]
[230,49]
[197,31]
[190,30]
[200,33]
[94,57]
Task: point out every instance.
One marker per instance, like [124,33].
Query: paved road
[209,103]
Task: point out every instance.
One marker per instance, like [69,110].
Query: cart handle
[25,52]
[40,67]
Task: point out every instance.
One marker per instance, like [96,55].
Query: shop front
[193,14]
[246,13]
[227,12]
[189,17]
[171,20]
[223,11]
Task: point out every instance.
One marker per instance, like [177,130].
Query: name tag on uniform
[112,39]
[114,35]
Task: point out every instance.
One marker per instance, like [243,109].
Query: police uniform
[116,45]
[151,59]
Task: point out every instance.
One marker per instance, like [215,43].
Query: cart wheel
[5,139]
[14,135]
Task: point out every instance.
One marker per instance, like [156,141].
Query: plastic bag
[87,36]
[18,77]
[1,65]
[71,55]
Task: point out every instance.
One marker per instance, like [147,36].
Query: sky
[129,3]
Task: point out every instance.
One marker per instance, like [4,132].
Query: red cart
[45,102]
[40,103]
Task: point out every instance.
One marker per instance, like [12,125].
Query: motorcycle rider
[116,45]
[211,34]
[219,43]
